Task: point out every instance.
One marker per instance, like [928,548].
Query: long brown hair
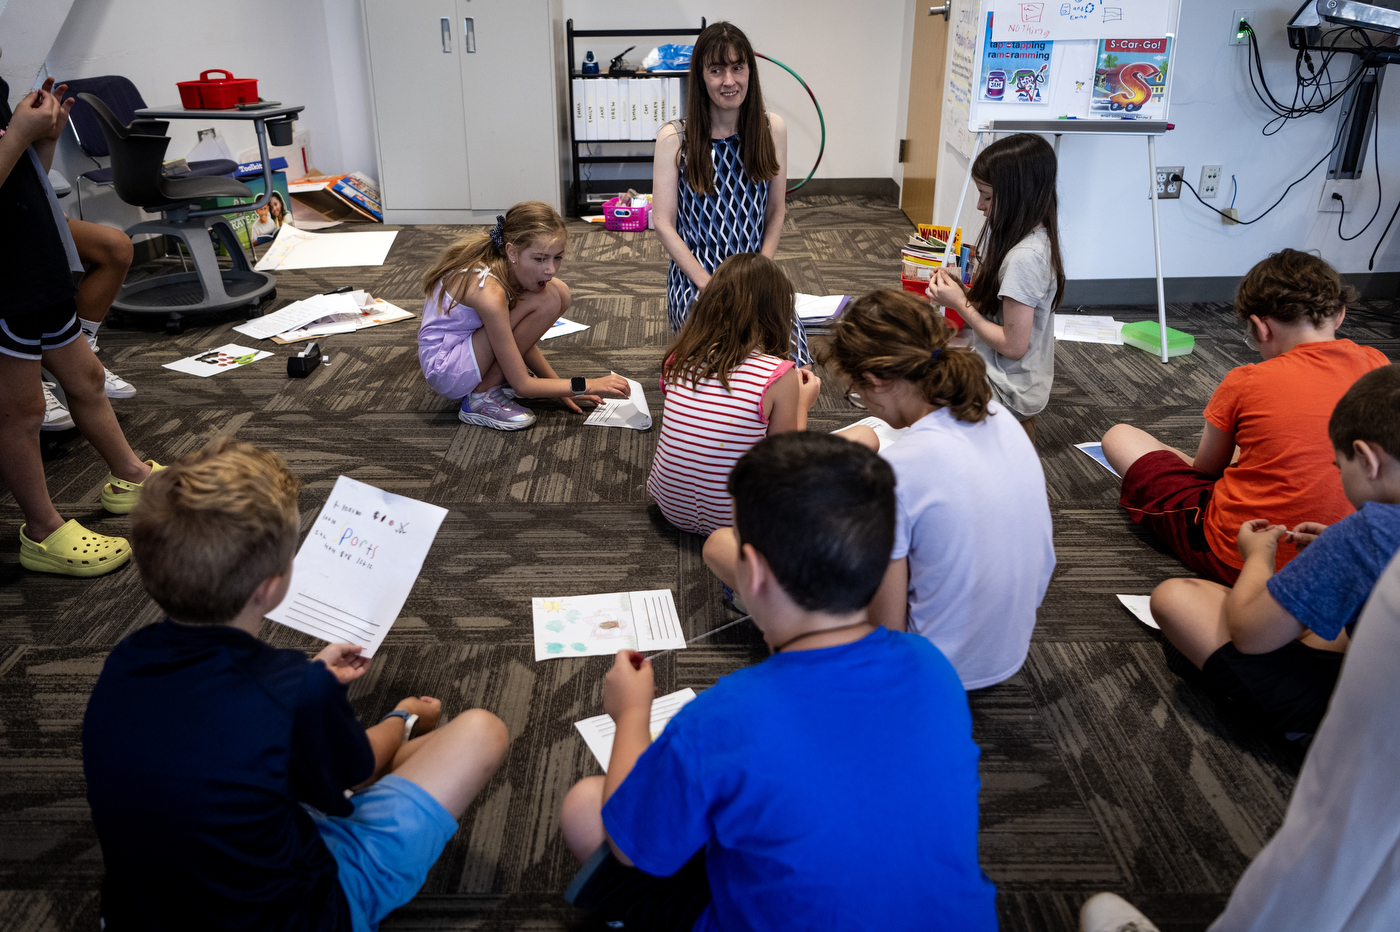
[724,44]
[1020,170]
[521,226]
[894,335]
[747,307]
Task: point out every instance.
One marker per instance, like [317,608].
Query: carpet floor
[1101,770]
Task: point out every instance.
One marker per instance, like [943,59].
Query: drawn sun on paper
[584,624]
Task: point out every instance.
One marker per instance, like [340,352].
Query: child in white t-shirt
[973,552]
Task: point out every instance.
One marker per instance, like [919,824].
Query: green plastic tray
[1146,336]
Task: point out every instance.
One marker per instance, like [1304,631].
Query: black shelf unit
[578,194]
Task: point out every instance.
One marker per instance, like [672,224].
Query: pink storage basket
[625,219]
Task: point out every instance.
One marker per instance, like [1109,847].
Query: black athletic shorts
[638,900]
[27,334]
[1284,691]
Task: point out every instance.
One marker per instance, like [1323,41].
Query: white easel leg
[1157,242]
[957,210]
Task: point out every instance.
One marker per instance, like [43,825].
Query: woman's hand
[36,117]
[946,290]
[61,121]
[809,389]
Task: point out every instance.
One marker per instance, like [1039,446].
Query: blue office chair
[137,160]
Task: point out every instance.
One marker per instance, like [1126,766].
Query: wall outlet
[1238,34]
[1231,217]
[1210,180]
[1166,188]
[1346,187]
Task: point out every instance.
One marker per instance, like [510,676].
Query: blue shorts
[385,847]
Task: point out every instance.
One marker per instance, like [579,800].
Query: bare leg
[1192,615]
[109,253]
[82,378]
[21,466]
[455,761]
[582,818]
[386,738]
[861,434]
[529,321]
[1124,444]
[721,555]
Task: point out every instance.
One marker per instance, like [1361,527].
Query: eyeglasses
[853,398]
[1249,339]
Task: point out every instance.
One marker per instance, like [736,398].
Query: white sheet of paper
[563,327]
[297,314]
[598,731]
[818,307]
[1058,20]
[225,358]
[1138,605]
[1094,450]
[1085,329]
[375,313]
[885,432]
[603,624]
[298,249]
[631,411]
[358,564]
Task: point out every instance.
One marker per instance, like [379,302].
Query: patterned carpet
[1100,768]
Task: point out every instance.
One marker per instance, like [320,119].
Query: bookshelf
[577,199]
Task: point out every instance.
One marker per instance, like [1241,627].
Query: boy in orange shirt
[1275,412]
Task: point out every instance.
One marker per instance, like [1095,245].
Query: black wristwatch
[578,385]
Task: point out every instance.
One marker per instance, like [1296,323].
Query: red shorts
[1170,498]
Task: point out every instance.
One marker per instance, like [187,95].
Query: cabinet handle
[446,25]
[469,32]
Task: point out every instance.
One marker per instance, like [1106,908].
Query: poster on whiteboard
[957,93]
[1059,20]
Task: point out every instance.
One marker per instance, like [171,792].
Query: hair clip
[936,353]
[498,232]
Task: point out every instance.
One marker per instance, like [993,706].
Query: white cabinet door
[415,73]
[509,105]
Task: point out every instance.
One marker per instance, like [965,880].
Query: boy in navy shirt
[1272,646]
[219,769]
[834,785]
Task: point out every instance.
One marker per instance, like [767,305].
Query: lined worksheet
[357,565]
[599,730]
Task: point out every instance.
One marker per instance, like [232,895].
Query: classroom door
[925,115]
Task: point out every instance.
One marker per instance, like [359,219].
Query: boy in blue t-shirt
[219,769]
[832,786]
[1273,645]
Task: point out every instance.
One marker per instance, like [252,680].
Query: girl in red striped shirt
[727,386]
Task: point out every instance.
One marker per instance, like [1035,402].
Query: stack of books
[924,253]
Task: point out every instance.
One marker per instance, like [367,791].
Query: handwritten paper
[596,625]
[887,434]
[225,358]
[356,567]
[563,327]
[958,88]
[1079,328]
[1095,452]
[373,314]
[298,314]
[1139,605]
[599,730]
[631,411]
[1046,20]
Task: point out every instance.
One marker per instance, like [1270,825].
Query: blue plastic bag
[669,58]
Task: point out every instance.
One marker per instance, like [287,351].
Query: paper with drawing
[596,625]
[229,356]
[631,411]
[599,730]
[356,567]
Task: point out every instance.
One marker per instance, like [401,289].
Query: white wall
[1105,220]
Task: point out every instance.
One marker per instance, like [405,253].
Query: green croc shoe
[73,550]
[121,502]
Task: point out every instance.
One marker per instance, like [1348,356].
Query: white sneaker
[1109,912]
[118,387]
[56,416]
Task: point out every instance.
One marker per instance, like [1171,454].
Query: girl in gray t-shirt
[1020,280]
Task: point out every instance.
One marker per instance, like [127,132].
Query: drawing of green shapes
[555,625]
[554,647]
[579,646]
[572,615]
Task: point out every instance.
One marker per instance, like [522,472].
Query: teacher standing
[720,174]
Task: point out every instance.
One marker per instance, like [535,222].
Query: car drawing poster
[1130,78]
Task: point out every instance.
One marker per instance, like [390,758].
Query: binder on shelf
[614,115]
[673,99]
[590,110]
[658,103]
[580,127]
[624,102]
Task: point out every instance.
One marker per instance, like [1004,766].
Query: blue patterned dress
[717,226]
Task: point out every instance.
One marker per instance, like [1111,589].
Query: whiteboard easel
[1041,118]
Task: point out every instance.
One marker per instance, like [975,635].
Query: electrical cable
[1309,88]
[1380,196]
[1234,191]
[820,118]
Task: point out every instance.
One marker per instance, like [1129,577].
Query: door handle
[940,11]
[445,25]
[469,33]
